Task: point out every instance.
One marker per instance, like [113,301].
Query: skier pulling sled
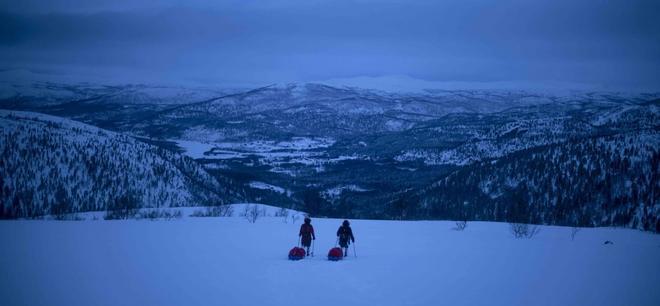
[345,235]
[344,238]
[306,235]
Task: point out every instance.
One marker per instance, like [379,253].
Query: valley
[345,151]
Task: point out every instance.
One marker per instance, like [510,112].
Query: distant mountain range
[352,152]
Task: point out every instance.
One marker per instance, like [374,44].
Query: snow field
[228,261]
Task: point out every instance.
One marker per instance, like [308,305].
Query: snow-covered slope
[228,261]
[52,165]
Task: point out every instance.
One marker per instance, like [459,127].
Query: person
[345,234]
[307,234]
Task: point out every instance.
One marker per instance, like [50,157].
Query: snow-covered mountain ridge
[347,151]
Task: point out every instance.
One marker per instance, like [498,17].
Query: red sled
[335,254]
[297,253]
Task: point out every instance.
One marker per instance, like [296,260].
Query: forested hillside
[599,181]
[51,165]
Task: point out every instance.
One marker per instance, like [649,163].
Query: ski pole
[354,252]
[313,245]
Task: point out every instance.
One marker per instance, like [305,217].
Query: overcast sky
[609,43]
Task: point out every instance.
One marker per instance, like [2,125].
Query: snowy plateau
[230,261]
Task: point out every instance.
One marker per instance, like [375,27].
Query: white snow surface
[266,186]
[335,192]
[266,149]
[228,261]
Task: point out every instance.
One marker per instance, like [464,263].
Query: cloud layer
[612,43]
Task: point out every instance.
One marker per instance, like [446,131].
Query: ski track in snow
[228,261]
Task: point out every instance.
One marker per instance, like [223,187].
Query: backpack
[335,254]
[344,236]
[297,253]
[306,230]
[343,232]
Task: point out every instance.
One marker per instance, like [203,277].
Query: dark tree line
[605,181]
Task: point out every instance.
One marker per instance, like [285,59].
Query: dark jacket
[307,233]
[345,234]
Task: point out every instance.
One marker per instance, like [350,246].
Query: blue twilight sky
[610,43]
